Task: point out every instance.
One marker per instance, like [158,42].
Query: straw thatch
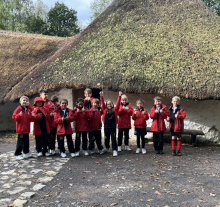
[168,47]
[20,54]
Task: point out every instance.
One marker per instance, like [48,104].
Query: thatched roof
[20,54]
[167,47]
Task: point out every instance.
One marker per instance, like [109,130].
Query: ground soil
[135,179]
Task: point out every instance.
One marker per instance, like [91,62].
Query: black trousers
[95,136]
[158,140]
[120,136]
[22,144]
[140,132]
[41,143]
[110,132]
[52,138]
[78,140]
[69,143]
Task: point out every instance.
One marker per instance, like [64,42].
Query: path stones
[35,171]
[25,176]
[4,177]
[45,179]
[8,185]
[16,190]
[8,172]
[21,182]
[38,187]
[51,173]
[28,194]
[19,203]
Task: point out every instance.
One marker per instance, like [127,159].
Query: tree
[97,7]
[62,21]
[214,5]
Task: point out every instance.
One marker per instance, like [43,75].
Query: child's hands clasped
[156,111]
[21,113]
[143,112]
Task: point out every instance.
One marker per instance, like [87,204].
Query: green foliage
[62,21]
[214,5]
[97,7]
[24,16]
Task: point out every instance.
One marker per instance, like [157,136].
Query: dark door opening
[95,93]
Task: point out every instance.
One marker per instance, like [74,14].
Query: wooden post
[193,140]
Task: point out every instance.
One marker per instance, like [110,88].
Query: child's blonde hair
[123,97]
[88,90]
[95,100]
[176,98]
[157,98]
[24,97]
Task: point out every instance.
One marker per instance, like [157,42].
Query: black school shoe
[161,152]
[157,151]
[174,153]
[178,153]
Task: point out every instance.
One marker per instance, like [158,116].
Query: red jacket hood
[163,106]
[38,99]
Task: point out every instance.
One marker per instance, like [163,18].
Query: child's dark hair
[79,100]
[63,100]
[54,98]
[43,91]
[140,100]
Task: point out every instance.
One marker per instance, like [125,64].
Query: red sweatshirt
[41,112]
[95,119]
[81,118]
[124,121]
[60,124]
[158,124]
[22,122]
[140,118]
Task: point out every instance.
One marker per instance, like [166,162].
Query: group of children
[52,119]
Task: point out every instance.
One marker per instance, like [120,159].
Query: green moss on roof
[168,47]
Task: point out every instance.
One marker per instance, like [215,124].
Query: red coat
[140,118]
[161,127]
[52,110]
[179,121]
[60,123]
[47,103]
[46,112]
[81,118]
[91,99]
[22,122]
[104,109]
[124,120]
[95,119]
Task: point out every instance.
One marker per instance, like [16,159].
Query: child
[82,126]
[44,96]
[53,133]
[95,127]
[176,116]
[110,120]
[158,114]
[22,116]
[63,117]
[41,118]
[124,122]
[140,116]
[88,98]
